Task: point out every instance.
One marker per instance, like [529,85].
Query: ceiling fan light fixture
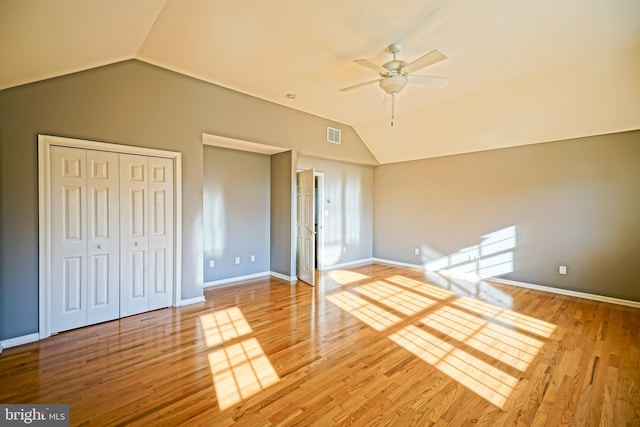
[394,84]
[394,75]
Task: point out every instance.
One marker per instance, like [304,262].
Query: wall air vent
[334,135]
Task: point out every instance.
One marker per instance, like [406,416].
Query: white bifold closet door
[146,233]
[111,236]
[85,250]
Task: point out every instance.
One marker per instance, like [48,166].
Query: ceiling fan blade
[430,80]
[348,88]
[369,64]
[424,61]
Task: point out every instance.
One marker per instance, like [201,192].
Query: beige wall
[137,104]
[573,203]
[348,223]
[236,206]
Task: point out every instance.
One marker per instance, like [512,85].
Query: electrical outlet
[562,269]
[416,251]
[344,250]
[253,258]
[237,260]
[212,263]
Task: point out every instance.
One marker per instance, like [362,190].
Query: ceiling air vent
[334,135]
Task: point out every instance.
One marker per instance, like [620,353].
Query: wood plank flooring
[371,345]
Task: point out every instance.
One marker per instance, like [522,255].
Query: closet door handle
[99,246]
[135,243]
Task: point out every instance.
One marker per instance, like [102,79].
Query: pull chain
[393,107]
[393,95]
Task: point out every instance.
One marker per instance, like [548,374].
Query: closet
[111,235]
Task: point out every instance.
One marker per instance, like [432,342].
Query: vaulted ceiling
[522,72]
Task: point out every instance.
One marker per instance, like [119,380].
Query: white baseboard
[567,292]
[401,264]
[24,339]
[190,301]
[533,286]
[347,264]
[283,277]
[236,279]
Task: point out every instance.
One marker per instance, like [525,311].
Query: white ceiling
[522,71]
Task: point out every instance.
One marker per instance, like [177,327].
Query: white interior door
[103,237]
[82,277]
[134,234]
[160,232]
[69,238]
[85,240]
[146,233]
[305,227]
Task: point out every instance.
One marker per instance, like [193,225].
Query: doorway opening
[309,224]
[319,214]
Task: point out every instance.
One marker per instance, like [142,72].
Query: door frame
[305,239]
[320,207]
[44,214]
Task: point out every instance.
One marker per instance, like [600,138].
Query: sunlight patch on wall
[333,224]
[214,222]
[493,256]
[331,253]
[459,285]
[496,265]
[239,366]
[480,377]
[371,314]
[352,211]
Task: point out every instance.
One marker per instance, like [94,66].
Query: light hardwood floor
[371,345]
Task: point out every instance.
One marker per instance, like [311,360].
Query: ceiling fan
[395,74]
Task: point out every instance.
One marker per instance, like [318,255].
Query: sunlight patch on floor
[397,298]
[224,325]
[463,322]
[521,321]
[239,366]
[240,371]
[371,314]
[345,277]
[508,346]
[424,288]
[483,379]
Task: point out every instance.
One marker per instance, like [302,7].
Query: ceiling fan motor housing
[393,67]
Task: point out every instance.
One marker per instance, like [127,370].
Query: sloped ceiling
[522,72]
